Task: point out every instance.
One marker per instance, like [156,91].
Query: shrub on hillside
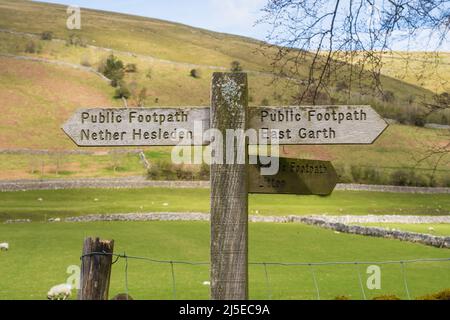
[264,102]
[149,74]
[142,96]
[113,69]
[76,41]
[236,66]
[47,35]
[204,172]
[32,47]
[388,96]
[341,86]
[408,178]
[122,91]
[195,73]
[164,170]
[131,68]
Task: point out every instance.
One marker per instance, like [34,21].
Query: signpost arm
[229,193]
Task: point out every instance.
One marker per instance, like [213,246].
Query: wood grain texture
[95,269]
[294,176]
[318,124]
[229,194]
[98,127]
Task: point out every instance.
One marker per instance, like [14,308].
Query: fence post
[95,269]
[229,190]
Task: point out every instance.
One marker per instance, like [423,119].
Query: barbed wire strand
[286,264]
[316,285]
[174,289]
[265,265]
[269,289]
[126,275]
[405,281]
[360,281]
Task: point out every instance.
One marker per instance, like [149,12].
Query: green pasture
[40,204]
[40,254]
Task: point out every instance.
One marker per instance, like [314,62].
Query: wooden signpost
[99,127]
[318,124]
[231,182]
[295,176]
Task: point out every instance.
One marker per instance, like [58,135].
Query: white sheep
[60,292]
[4,246]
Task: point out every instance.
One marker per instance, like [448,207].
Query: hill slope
[36,97]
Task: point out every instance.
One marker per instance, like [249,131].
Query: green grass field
[41,204]
[40,254]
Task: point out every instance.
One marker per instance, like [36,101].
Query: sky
[229,16]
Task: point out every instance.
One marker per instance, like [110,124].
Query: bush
[122,91]
[343,173]
[204,172]
[47,35]
[113,69]
[142,96]
[76,40]
[341,86]
[441,295]
[148,75]
[164,170]
[388,96]
[356,173]
[236,66]
[386,297]
[195,73]
[264,102]
[131,68]
[408,178]
[32,47]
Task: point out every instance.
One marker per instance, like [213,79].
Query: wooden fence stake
[95,269]
[229,193]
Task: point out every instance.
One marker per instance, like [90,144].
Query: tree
[347,39]
[113,69]
[340,40]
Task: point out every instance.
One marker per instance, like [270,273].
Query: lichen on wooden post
[229,193]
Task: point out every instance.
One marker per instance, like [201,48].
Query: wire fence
[312,266]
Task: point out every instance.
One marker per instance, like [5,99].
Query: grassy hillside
[37,97]
[41,253]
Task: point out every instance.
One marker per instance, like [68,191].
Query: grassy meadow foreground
[40,253]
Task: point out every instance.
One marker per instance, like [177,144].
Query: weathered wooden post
[96,262]
[229,192]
